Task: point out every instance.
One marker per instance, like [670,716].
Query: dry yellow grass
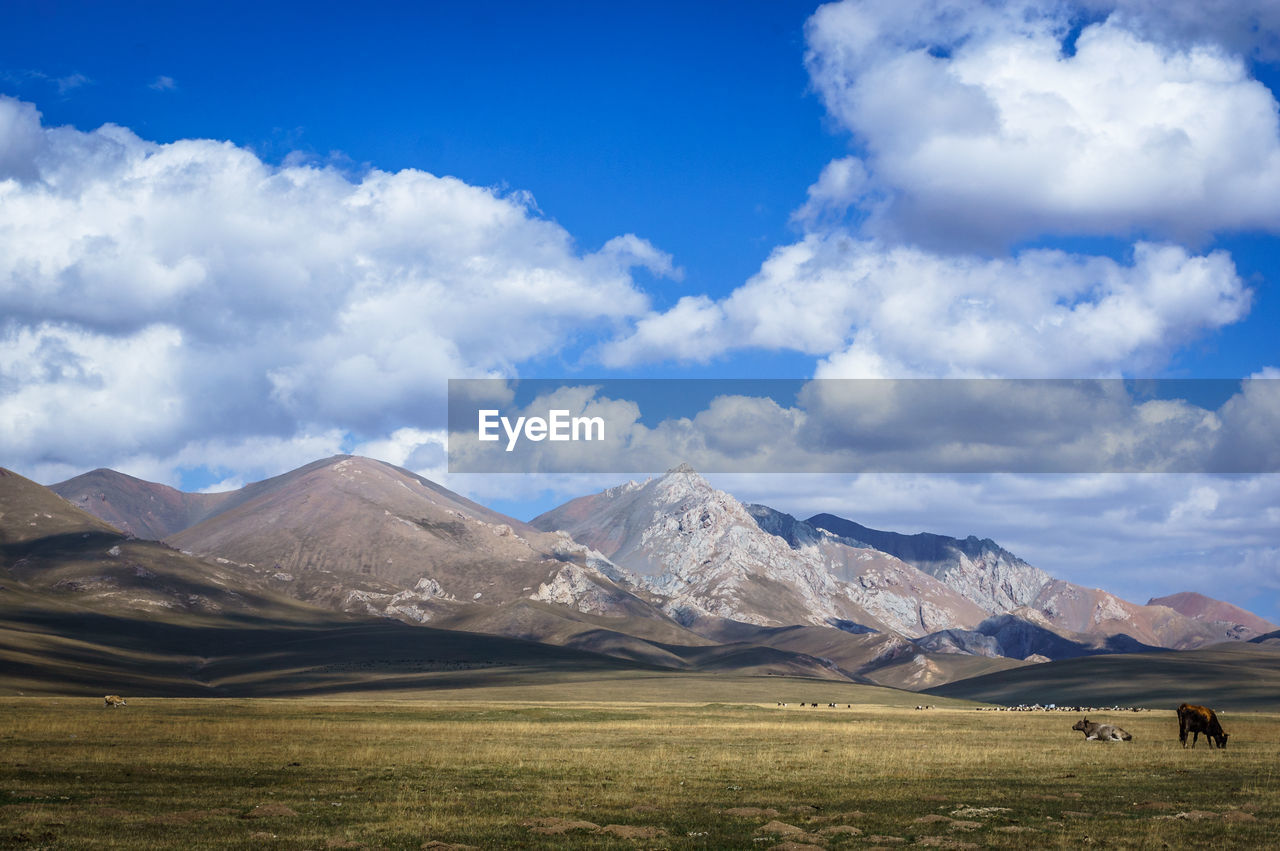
[399,774]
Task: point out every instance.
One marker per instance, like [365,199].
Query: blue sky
[649,118]
[237,237]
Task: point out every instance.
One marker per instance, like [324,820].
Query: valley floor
[501,772]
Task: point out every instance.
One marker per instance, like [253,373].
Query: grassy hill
[1233,676]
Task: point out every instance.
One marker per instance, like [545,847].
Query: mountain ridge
[653,571]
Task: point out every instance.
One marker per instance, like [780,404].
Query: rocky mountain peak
[684,482]
[709,555]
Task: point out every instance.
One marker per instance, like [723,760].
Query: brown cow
[114,700]
[1196,720]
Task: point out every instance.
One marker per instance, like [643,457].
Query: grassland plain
[500,773]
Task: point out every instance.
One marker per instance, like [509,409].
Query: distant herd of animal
[1191,719]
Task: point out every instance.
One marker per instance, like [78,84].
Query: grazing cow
[1196,720]
[113,700]
[1101,732]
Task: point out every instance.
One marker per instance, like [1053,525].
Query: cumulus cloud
[840,185]
[1247,27]
[167,294]
[980,125]
[1007,136]
[908,426]
[873,310]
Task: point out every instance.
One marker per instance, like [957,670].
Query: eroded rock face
[983,572]
[706,554]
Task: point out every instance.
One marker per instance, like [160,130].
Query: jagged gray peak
[984,572]
[708,554]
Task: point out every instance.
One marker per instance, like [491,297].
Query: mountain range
[668,574]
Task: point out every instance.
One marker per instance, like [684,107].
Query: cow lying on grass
[1101,732]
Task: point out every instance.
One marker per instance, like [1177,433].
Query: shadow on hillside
[76,651]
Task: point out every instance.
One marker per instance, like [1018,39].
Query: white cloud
[873,310]
[977,126]
[1248,27]
[166,295]
[67,393]
[910,426]
[424,451]
[840,185]
[1249,440]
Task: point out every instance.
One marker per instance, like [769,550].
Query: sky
[236,238]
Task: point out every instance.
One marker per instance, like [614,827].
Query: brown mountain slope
[155,511]
[318,532]
[141,508]
[356,533]
[53,550]
[84,609]
[1094,612]
[880,658]
[29,511]
[1202,608]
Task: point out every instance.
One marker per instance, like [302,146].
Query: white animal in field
[1094,732]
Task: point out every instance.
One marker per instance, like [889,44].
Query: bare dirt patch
[752,812]
[944,842]
[779,828]
[980,812]
[633,831]
[270,811]
[851,815]
[192,816]
[553,826]
[792,833]
[1192,815]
